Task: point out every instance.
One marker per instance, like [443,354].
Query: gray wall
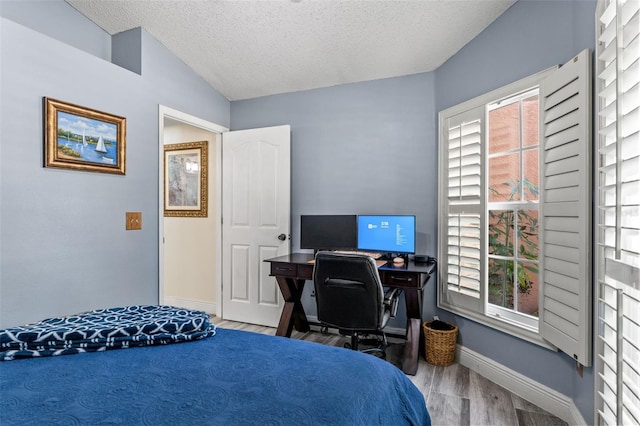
[63,244]
[356,149]
[372,147]
[57,19]
[529,37]
[365,148]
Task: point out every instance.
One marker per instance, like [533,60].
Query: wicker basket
[439,345]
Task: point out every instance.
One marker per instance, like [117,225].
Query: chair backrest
[348,291]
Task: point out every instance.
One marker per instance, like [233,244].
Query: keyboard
[375,255]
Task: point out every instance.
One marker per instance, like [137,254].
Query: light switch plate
[134,221]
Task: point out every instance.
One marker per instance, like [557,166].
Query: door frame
[164,113]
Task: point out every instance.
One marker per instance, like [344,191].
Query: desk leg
[292,312]
[411,347]
[413,299]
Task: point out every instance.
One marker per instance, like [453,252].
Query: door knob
[282,237]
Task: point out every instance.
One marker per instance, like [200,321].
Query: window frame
[478,311]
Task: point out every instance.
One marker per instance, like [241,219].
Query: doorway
[190,254]
[257,196]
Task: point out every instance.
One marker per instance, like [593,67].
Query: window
[512,208]
[515,208]
[618,210]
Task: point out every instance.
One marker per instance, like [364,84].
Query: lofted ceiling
[247,49]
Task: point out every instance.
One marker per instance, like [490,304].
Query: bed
[194,375]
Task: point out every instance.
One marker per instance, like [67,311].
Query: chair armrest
[391,297]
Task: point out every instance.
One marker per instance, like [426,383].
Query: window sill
[502,325]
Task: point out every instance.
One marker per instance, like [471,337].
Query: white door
[255,221]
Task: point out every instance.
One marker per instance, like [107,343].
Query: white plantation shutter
[460,235]
[565,308]
[618,213]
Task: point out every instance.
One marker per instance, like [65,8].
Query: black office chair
[350,297]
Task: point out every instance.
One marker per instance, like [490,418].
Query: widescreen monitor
[387,233]
[328,232]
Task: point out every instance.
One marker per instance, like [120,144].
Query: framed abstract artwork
[81,138]
[185,179]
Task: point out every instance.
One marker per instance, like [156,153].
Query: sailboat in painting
[84,139]
[100,146]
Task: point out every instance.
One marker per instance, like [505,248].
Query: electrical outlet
[134,221]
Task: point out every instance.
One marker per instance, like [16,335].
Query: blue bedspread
[233,378]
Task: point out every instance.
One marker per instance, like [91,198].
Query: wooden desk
[293,270]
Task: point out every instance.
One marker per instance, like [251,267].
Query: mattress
[232,378]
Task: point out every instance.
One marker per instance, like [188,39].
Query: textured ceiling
[247,49]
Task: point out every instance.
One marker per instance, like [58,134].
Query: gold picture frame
[80,138]
[185,179]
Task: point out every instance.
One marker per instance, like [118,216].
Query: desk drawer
[284,269]
[401,279]
[305,271]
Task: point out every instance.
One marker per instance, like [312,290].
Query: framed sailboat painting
[82,138]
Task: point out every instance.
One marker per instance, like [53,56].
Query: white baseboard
[196,305]
[544,397]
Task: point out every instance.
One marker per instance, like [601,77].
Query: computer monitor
[328,232]
[387,233]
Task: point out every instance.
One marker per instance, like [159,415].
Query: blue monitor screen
[387,233]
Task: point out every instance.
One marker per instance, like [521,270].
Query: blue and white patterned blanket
[103,329]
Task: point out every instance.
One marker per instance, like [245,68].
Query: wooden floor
[455,395]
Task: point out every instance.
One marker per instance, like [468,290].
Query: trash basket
[439,342]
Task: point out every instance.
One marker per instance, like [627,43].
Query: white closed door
[255,221]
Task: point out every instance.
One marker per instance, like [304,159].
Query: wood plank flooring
[455,395]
